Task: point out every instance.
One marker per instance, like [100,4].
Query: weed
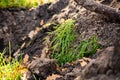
[10,68]
[64,35]
[63,38]
[87,47]
[8,71]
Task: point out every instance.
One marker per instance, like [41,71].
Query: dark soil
[17,24]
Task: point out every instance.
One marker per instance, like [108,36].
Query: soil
[16,26]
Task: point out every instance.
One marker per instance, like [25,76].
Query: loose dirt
[17,25]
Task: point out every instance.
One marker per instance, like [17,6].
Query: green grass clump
[9,70]
[87,48]
[64,35]
[21,3]
[62,44]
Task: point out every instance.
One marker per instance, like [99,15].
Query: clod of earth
[43,67]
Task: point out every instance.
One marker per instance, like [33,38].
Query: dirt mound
[17,25]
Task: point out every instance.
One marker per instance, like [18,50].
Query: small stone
[43,67]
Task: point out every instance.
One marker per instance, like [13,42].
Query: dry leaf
[53,77]
[24,37]
[61,21]
[72,63]
[47,25]
[64,69]
[37,29]
[26,58]
[58,67]
[83,62]
[22,69]
[41,22]
[87,59]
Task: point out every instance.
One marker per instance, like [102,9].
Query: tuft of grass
[9,70]
[62,41]
[22,3]
[87,48]
[64,35]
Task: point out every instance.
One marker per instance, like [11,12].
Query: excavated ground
[15,25]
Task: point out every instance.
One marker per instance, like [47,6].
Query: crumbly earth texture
[17,26]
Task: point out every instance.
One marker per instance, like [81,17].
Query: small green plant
[64,35]
[8,70]
[87,48]
[21,3]
[9,67]
[63,38]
